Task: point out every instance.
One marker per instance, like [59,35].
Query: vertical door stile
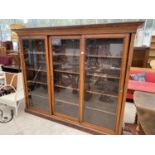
[121,82]
[128,65]
[48,74]
[51,74]
[82,72]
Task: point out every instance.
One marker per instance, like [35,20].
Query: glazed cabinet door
[65,54]
[104,72]
[34,52]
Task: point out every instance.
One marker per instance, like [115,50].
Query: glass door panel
[66,62]
[103,59]
[35,63]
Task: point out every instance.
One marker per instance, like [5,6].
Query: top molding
[126,27]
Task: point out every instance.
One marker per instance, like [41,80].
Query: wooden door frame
[28,106]
[70,37]
[125,38]
[128,65]
[49,63]
[122,83]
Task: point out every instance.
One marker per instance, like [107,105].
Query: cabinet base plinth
[80,126]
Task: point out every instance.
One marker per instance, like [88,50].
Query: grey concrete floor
[27,124]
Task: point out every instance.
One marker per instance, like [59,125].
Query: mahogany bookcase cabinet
[77,75]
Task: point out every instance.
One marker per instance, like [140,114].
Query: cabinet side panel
[24,72]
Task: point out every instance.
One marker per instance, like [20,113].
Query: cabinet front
[66,62]
[76,75]
[87,78]
[105,58]
[35,63]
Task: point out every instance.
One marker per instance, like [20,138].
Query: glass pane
[66,57]
[103,60]
[35,62]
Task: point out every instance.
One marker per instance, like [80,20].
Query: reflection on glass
[66,54]
[102,72]
[35,63]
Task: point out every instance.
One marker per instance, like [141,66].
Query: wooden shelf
[113,68]
[37,82]
[61,54]
[63,71]
[100,56]
[99,110]
[91,56]
[40,53]
[32,69]
[60,63]
[87,107]
[34,94]
[66,87]
[57,63]
[66,102]
[95,69]
[92,92]
[43,62]
[100,76]
[102,93]
[103,76]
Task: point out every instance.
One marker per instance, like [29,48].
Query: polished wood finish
[128,27]
[125,31]
[51,73]
[48,75]
[82,72]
